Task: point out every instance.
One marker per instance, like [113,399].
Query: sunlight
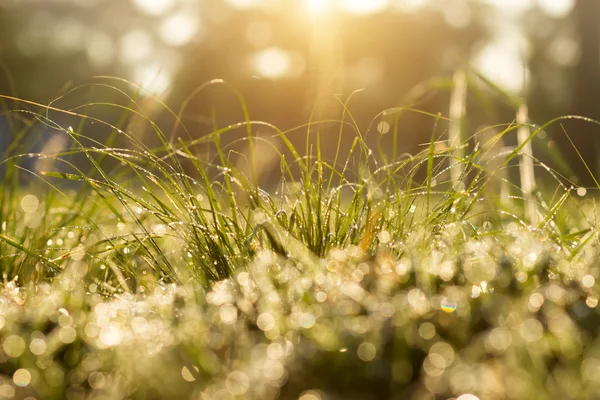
[154,7]
[513,7]
[363,7]
[241,4]
[412,5]
[100,50]
[258,33]
[153,77]
[565,51]
[179,29]
[136,45]
[553,8]
[502,64]
[556,8]
[317,6]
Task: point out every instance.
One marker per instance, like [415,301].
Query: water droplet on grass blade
[260,218]
[22,377]
[111,335]
[187,375]
[383,127]
[14,346]
[30,203]
[384,237]
[588,281]
[237,383]
[37,346]
[467,397]
[427,330]
[265,322]
[366,351]
[448,305]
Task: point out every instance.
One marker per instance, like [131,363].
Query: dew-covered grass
[162,268]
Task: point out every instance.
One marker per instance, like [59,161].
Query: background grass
[135,270]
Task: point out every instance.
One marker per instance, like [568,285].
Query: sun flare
[317,7]
[363,7]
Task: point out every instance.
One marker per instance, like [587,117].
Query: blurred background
[294,61]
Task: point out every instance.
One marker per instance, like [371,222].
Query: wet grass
[151,267]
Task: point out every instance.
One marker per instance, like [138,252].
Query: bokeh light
[514,7]
[14,346]
[153,77]
[318,6]
[135,46]
[22,377]
[557,8]
[467,396]
[154,7]
[179,29]
[242,4]
[30,203]
[272,63]
[363,7]
[502,62]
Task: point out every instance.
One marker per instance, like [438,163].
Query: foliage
[139,272]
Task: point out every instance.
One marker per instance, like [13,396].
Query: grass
[140,271]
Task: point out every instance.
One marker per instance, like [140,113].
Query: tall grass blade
[458,111]
[526,172]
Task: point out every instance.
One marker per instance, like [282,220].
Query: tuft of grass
[159,267]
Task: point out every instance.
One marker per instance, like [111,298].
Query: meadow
[132,271]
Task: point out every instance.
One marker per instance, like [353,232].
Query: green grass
[167,270]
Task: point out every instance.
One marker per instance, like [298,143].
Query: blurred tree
[564,61]
[586,98]
[386,54]
[290,65]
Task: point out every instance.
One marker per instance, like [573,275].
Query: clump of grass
[134,271]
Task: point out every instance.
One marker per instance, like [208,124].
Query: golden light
[258,33]
[363,6]
[135,46]
[272,63]
[513,7]
[317,7]
[242,4]
[557,8]
[412,5]
[179,29]
[154,7]
[501,62]
[100,49]
[153,77]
